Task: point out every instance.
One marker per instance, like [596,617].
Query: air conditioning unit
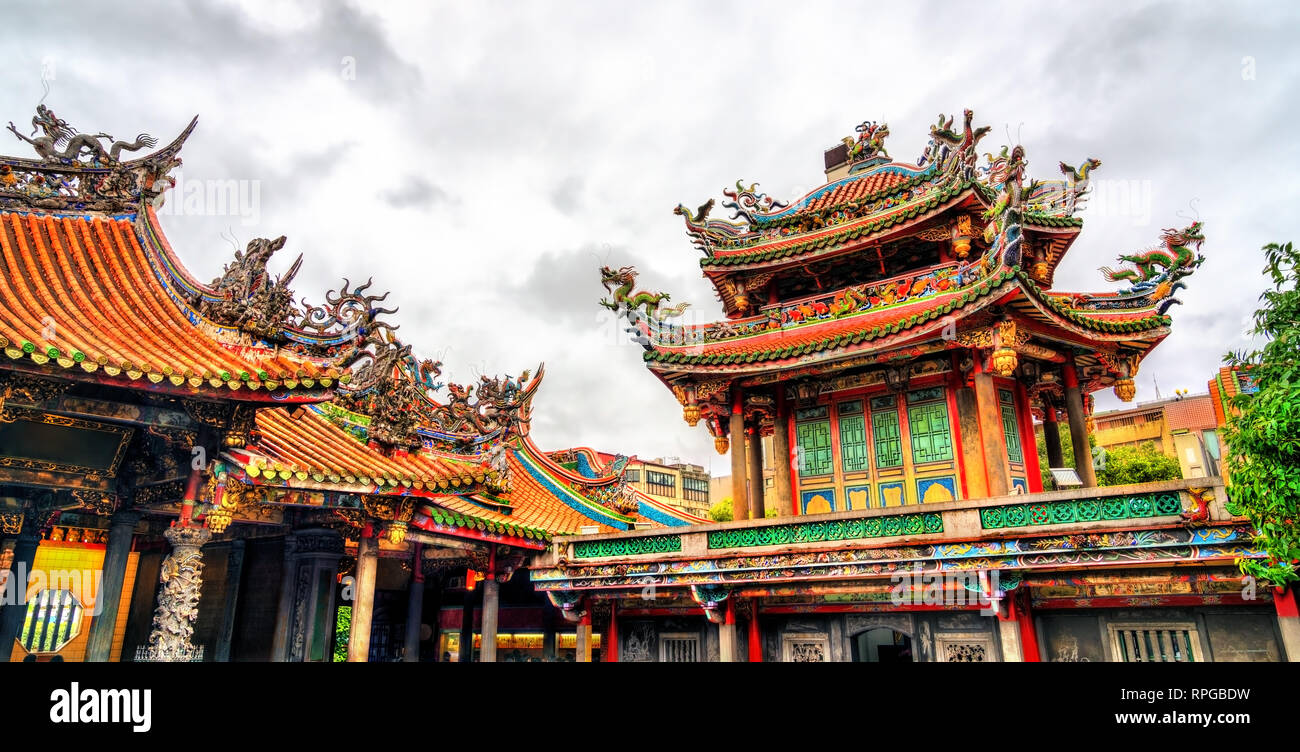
[589,530]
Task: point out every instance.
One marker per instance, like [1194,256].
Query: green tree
[1263,437]
[722,512]
[1139,464]
[1067,451]
[342,631]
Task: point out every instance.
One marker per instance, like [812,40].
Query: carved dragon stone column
[178,601]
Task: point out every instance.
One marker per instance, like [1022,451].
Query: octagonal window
[53,620]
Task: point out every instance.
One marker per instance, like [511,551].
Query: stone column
[995,444]
[739,497]
[284,610]
[781,455]
[99,644]
[234,573]
[491,604]
[1052,436]
[727,635]
[1078,426]
[178,601]
[363,602]
[584,637]
[313,568]
[1009,631]
[11,615]
[1288,622]
[754,444]
[414,607]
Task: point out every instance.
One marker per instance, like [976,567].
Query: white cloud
[544,133]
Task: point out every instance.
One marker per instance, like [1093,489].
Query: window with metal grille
[853,437]
[1155,643]
[1012,434]
[931,436]
[679,648]
[888,440]
[695,489]
[661,484]
[53,619]
[814,440]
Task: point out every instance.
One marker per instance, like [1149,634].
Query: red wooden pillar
[739,494]
[1028,634]
[755,638]
[1028,440]
[1288,621]
[609,648]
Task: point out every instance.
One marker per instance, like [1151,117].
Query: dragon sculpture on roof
[60,143]
[1158,273]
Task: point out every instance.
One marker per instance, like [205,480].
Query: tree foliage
[1139,464]
[1263,434]
[722,512]
[1067,451]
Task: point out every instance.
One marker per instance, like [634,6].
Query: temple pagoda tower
[896,329]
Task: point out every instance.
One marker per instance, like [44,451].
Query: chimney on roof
[837,162]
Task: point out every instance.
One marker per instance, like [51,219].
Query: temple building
[194,471]
[895,332]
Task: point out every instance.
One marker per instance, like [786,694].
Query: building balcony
[1170,522]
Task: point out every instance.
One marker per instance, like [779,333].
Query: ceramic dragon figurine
[708,234]
[621,281]
[953,151]
[247,298]
[1158,273]
[745,202]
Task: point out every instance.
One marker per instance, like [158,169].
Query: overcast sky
[481,160]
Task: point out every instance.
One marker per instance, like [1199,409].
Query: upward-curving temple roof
[90,290]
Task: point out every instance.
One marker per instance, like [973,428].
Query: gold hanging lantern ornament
[691,414]
[1125,389]
[721,443]
[962,237]
[397,533]
[1004,361]
[219,518]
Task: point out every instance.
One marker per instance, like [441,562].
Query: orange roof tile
[308,445]
[80,292]
[1193,413]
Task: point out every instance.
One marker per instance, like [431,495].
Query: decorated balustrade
[1191,503]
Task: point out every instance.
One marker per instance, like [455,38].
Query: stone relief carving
[640,644]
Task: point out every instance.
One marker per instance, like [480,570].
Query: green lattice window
[814,440]
[931,437]
[853,443]
[1014,452]
[888,439]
